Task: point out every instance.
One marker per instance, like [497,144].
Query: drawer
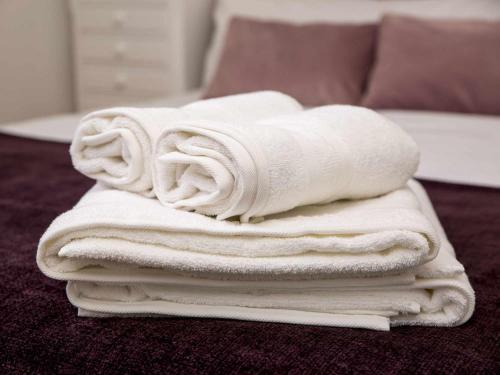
[121,20]
[92,100]
[128,81]
[127,3]
[127,51]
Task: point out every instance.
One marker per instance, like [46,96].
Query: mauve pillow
[436,65]
[315,63]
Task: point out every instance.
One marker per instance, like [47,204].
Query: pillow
[316,64]
[434,65]
[338,11]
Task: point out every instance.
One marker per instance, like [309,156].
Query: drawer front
[125,51]
[120,20]
[128,3]
[93,101]
[125,81]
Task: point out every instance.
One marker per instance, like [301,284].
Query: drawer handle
[119,18]
[120,50]
[120,83]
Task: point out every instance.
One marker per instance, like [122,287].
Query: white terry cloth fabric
[344,238]
[121,263]
[454,147]
[115,145]
[251,170]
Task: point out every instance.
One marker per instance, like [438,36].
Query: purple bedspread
[40,332]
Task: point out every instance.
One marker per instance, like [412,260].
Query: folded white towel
[252,170]
[383,234]
[124,254]
[115,145]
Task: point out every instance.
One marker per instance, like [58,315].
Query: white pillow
[338,11]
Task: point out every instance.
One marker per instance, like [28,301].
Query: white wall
[35,59]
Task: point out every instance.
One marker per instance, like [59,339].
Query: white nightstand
[126,51]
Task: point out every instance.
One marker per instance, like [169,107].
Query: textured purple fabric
[436,65]
[315,63]
[40,332]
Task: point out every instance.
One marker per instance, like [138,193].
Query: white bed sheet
[454,147]
[457,148]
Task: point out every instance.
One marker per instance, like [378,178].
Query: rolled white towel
[251,170]
[115,145]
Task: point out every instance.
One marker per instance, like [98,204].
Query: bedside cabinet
[128,51]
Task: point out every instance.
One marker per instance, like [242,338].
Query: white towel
[251,170]
[125,254]
[376,235]
[115,145]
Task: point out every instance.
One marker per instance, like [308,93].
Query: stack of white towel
[264,211]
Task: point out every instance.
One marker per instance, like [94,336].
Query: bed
[41,333]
